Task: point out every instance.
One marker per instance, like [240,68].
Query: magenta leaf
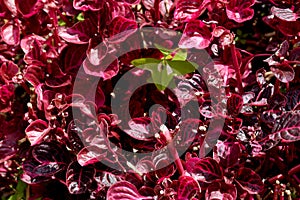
[108,68]
[283,72]
[6,96]
[34,75]
[204,169]
[228,153]
[124,190]
[288,126]
[249,180]
[10,33]
[130,2]
[79,179]
[139,129]
[188,132]
[120,28]
[7,150]
[26,42]
[8,70]
[234,104]
[221,191]
[46,159]
[284,13]
[189,10]
[162,165]
[84,5]
[188,188]
[74,133]
[11,6]
[239,10]
[97,54]
[79,33]
[91,154]
[29,8]
[196,35]
[36,131]
[288,28]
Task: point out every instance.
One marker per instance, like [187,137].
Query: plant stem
[172,149]
[156,10]
[277,87]
[237,68]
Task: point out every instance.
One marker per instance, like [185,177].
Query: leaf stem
[237,68]
[156,10]
[277,87]
[172,149]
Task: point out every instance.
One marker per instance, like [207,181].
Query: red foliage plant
[254,56]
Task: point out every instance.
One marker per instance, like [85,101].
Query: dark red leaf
[204,169]
[283,72]
[130,2]
[120,28]
[91,154]
[139,129]
[10,33]
[79,33]
[288,126]
[284,13]
[34,75]
[78,178]
[239,10]
[46,159]
[108,68]
[249,180]
[83,5]
[29,8]
[221,191]
[228,153]
[124,190]
[234,104]
[288,28]
[188,188]
[7,150]
[196,35]
[189,10]
[36,131]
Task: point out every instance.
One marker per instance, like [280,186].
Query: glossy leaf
[239,10]
[188,10]
[284,13]
[221,191]
[204,169]
[124,190]
[249,180]
[78,178]
[234,104]
[120,28]
[93,5]
[10,33]
[196,35]
[188,188]
[288,126]
[283,72]
[36,131]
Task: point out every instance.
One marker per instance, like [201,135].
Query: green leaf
[140,62]
[80,17]
[19,192]
[182,67]
[61,23]
[239,32]
[181,54]
[161,78]
[164,50]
